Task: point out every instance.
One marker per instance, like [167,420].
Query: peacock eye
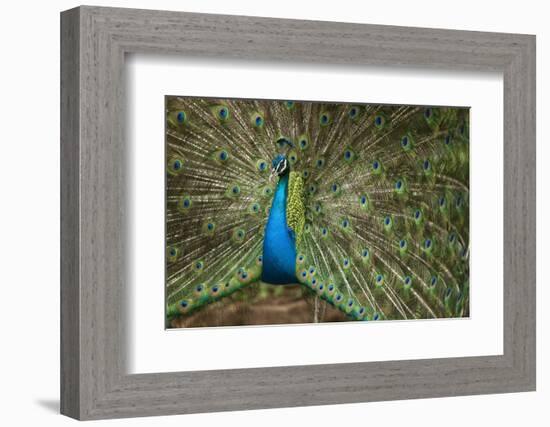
[428,113]
[375,165]
[181,117]
[223,113]
[177,164]
[458,201]
[405,141]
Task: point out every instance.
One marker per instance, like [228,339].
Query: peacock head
[280,165]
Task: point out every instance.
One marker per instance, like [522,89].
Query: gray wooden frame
[94,382]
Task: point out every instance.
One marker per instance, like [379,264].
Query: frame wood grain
[94,381]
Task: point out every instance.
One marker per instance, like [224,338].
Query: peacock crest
[366,207]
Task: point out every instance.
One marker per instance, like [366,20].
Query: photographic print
[284,212]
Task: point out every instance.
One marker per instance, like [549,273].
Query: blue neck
[279,255]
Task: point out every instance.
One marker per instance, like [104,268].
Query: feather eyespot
[223,113]
[223,155]
[324,119]
[181,116]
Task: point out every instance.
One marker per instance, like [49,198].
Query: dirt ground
[273,305]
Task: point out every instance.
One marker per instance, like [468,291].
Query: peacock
[365,207]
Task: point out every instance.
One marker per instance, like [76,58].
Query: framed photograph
[262,213]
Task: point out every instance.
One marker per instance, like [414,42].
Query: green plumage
[378,202]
